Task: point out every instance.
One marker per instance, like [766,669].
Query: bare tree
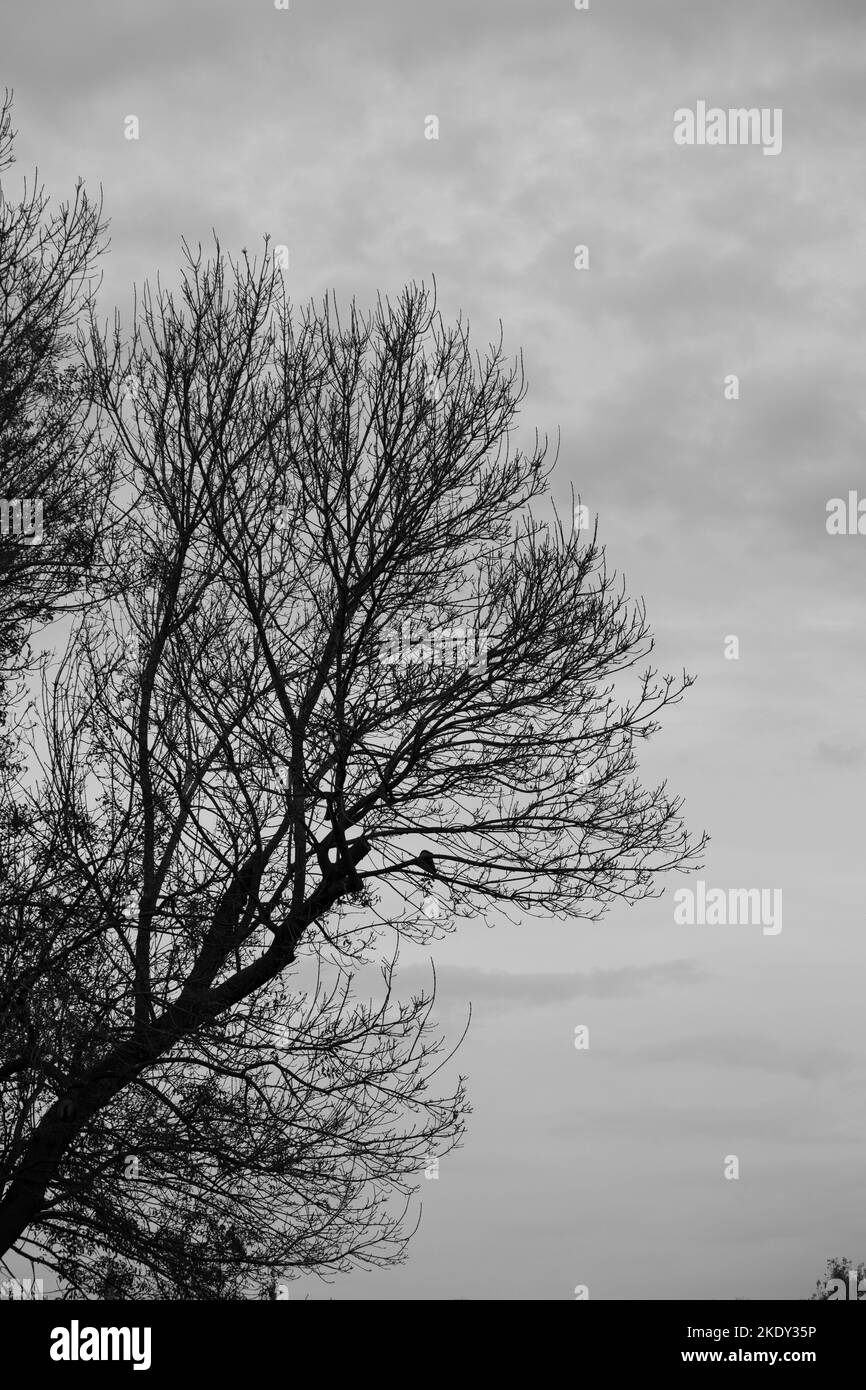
[256,776]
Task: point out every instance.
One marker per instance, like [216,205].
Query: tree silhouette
[841,1281]
[50,452]
[241,801]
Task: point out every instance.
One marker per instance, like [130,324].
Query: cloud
[839,754]
[664,1129]
[754,1053]
[502,990]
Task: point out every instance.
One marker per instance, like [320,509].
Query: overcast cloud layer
[603,1166]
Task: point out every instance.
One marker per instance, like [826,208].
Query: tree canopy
[241,800]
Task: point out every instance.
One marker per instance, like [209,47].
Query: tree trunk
[26,1193]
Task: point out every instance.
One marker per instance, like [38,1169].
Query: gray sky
[601,1167]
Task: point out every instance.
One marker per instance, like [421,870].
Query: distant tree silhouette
[841,1280]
